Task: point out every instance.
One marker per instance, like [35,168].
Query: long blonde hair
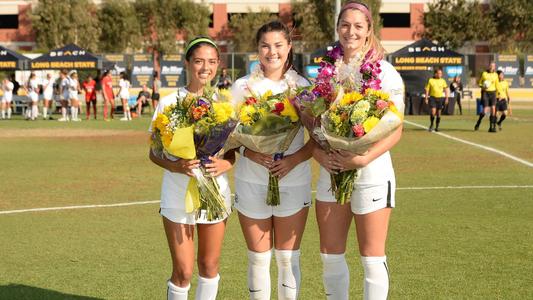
[372,42]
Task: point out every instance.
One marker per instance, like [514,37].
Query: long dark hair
[277,26]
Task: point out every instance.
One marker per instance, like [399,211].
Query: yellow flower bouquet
[354,123]
[268,124]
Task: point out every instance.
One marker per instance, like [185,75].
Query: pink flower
[358,130]
[381,105]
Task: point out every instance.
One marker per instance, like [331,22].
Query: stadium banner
[172,71]
[120,64]
[142,70]
[528,71]
[509,65]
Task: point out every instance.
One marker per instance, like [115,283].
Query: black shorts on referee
[489,99]
[435,102]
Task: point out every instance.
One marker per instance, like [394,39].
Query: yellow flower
[166,138]
[265,96]
[394,109]
[350,98]
[161,122]
[289,111]
[223,111]
[370,123]
[246,113]
[334,119]
[378,93]
[224,95]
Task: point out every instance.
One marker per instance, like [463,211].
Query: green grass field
[453,243]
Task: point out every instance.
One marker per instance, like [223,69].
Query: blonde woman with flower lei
[266,226]
[201,61]
[373,195]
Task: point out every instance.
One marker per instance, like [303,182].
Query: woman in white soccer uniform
[73,91]
[266,226]
[201,61]
[374,189]
[124,94]
[7,97]
[33,92]
[48,94]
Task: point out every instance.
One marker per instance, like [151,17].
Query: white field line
[6,212]
[499,152]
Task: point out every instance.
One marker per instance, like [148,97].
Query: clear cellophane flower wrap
[387,124]
[268,144]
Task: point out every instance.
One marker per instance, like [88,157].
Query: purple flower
[306,96]
[335,53]
[203,101]
[326,70]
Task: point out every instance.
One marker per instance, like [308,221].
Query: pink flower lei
[369,70]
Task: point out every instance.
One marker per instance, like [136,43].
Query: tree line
[123,26]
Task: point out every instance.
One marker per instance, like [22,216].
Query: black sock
[438,122]
[481,116]
[432,118]
[501,119]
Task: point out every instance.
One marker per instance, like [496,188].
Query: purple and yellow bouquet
[197,127]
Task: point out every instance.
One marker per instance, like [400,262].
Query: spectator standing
[124,94]
[7,97]
[33,91]
[156,87]
[109,96]
[64,95]
[456,91]
[89,87]
[48,94]
[16,85]
[73,90]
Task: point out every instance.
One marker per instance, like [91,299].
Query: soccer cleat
[430,129]
[476,128]
[62,120]
[437,129]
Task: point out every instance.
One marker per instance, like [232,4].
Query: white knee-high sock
[175,292]
[207,288]
[3,113]
[259,274]
[376,277]
[45,112]
[9,112]
[289,275]
[34,112]
[336,276]
[64,112]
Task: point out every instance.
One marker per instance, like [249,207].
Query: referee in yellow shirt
[487,82]
[437,91]
[502,93]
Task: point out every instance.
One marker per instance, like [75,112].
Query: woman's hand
[282,167]
[259,158]
[345,160]
[184,166]
[325,160]
[218,166]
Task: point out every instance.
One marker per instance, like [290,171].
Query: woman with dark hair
[373,196]
[456,91]
[124,94]
[201,62]
[156,86]
[280,226]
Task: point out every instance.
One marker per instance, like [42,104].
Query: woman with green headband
[201,62]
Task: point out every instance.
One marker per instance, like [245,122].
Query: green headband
[200,40]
